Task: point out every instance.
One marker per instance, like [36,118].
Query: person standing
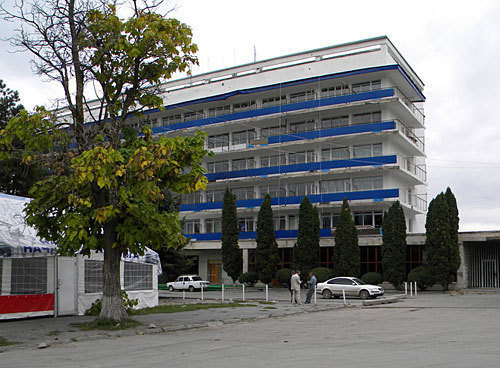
[312,287]
[295,281]
[292,272]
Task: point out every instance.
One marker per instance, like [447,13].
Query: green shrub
[423,276]
[249,278]
[322,273]
[283,276]
[373,278]
[96,307]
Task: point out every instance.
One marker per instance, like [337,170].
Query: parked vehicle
[352,286]
[187,282]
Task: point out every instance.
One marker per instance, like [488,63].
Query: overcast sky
[454,46]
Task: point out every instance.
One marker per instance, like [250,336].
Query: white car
[352,286]
[187,282]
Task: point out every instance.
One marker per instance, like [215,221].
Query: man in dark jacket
[312,288]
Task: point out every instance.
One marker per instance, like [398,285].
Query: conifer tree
[346,258]
[454,257]
[232,261]
[394,245]
[438,240]
[308,238]
[266,255]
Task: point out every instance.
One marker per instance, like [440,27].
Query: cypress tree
[266,255]
[438,240]
[346,258]
[308,238]
[232,261]
[394,245]
[454,256]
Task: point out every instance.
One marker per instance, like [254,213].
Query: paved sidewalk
[30,333]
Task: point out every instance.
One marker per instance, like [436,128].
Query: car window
[341,281]
[185,279]
[196,278]
[331,281]
[359,281]
[179,279]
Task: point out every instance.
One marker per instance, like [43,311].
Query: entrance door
[489,273]
[214,271]
[66,285]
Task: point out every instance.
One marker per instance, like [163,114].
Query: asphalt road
[432,330]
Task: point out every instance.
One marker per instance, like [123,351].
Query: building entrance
[483,260]
[214,268]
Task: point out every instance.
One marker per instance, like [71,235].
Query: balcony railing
[416,111]
[418,201]
[407,164]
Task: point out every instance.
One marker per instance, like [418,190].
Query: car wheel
[171,288]
[191,288]
[327,294]
[364,294]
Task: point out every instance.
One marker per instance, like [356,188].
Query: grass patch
[269,308]
[5,342]
[175,308]
[107,325]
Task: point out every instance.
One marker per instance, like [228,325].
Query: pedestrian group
[294,287]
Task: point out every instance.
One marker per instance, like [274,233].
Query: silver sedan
[352,286]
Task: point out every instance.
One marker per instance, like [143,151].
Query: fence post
[315,289]
[406,288]
[267,292]
[243,292]
[183,294]
[202,291]
[343,295]
[411,288]
[415,288]
[222,292]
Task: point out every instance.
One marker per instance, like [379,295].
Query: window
[366,86]
[274,160]
[273,101]
[335,186]
[246,224]
[293,222]
[335,122]
[215,195]
[340,90]
[244,137]
[279,223]
[303,126]
[194,115]
[192,227]
[93,276]
[220,166]
[329,220]
[367,150]
[371,259]
[371,218]
[243,164]
[243,193]
[331,154]
[172,119]
[220,140]
[272,131]
[213,225]
[273,190]
[192,198]
[137,276]
[302,157]
[301,189]
[218,111]
[302,96]
[28,276]
[369,183]
[244,106]
[366,118]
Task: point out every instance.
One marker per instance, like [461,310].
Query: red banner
[26,303]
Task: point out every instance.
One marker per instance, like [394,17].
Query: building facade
[339,122]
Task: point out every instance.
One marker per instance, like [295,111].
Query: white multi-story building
[338,122]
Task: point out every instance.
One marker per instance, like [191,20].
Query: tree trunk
[112,302]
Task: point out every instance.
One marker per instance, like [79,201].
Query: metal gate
[483,264]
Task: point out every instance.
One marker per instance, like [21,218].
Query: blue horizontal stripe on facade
[312,166]
[353,129]
[280,234]
[277,109]
[314,198]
